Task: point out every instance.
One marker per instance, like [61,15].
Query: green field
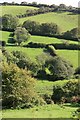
[64,20]
[47,111]
[70,55]
[4,35]
[46,87]
[14,10]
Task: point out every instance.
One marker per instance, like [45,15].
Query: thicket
[46,29]
[18,88]
[59,68]
[9,22]
[69,93]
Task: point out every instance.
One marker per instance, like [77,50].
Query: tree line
[61,7]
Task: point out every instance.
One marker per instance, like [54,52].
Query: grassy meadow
[32,52]
[66,21]
[14,10]
[47,111]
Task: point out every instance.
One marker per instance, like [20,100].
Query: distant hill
[65,20]
[15,10]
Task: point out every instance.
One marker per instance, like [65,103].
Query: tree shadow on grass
[72,105]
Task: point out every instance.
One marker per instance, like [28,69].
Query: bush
[77,71]
[18,88]
[51,50]
[59,68]
[68,93]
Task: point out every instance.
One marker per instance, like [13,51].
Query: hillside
[39,70]
[15,10]
[65,20]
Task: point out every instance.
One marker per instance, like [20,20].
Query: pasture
[14,10]
[66,21]
[4,35]
[32,52]
[46,111]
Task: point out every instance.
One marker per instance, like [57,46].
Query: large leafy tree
[9,22]
[59,68]
[21,35]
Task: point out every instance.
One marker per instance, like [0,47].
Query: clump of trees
[46,29]
[59,68]
[18,88]
[68,93]
[9,22]
[72,34]
[21,35]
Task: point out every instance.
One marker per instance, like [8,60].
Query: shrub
[77,71]
[69,92]
[17,87]
[51,50]
[60,69]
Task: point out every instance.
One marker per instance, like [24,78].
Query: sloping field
[4,35]
[69,55]
[15,10]
[65,20]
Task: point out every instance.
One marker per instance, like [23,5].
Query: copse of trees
[59,68]
[72,34]
[69,93]
[46,29]
[32,26]
[21,35]
[9,22]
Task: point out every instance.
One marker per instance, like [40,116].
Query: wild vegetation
[40,68]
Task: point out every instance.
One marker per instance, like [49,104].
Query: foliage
[69,92]
[47,29]
[77,71]
[60,69]
[9,22]
[18,88]
[73,34]
[52,50]
[21,35]
[32,26]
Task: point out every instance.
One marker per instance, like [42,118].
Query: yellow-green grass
[4,35]
[14,10]
[46,111]
[70,55]
[64,20]
[49,40]
[30,52]
[46,87]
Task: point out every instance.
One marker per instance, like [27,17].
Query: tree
[49,29]
[9,22]
[32,26]
[72,34]
[21,35]
[59,68]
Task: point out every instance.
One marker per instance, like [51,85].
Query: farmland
[64,20]
[43,85]
[12,9]
[32,52]
[47,111]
